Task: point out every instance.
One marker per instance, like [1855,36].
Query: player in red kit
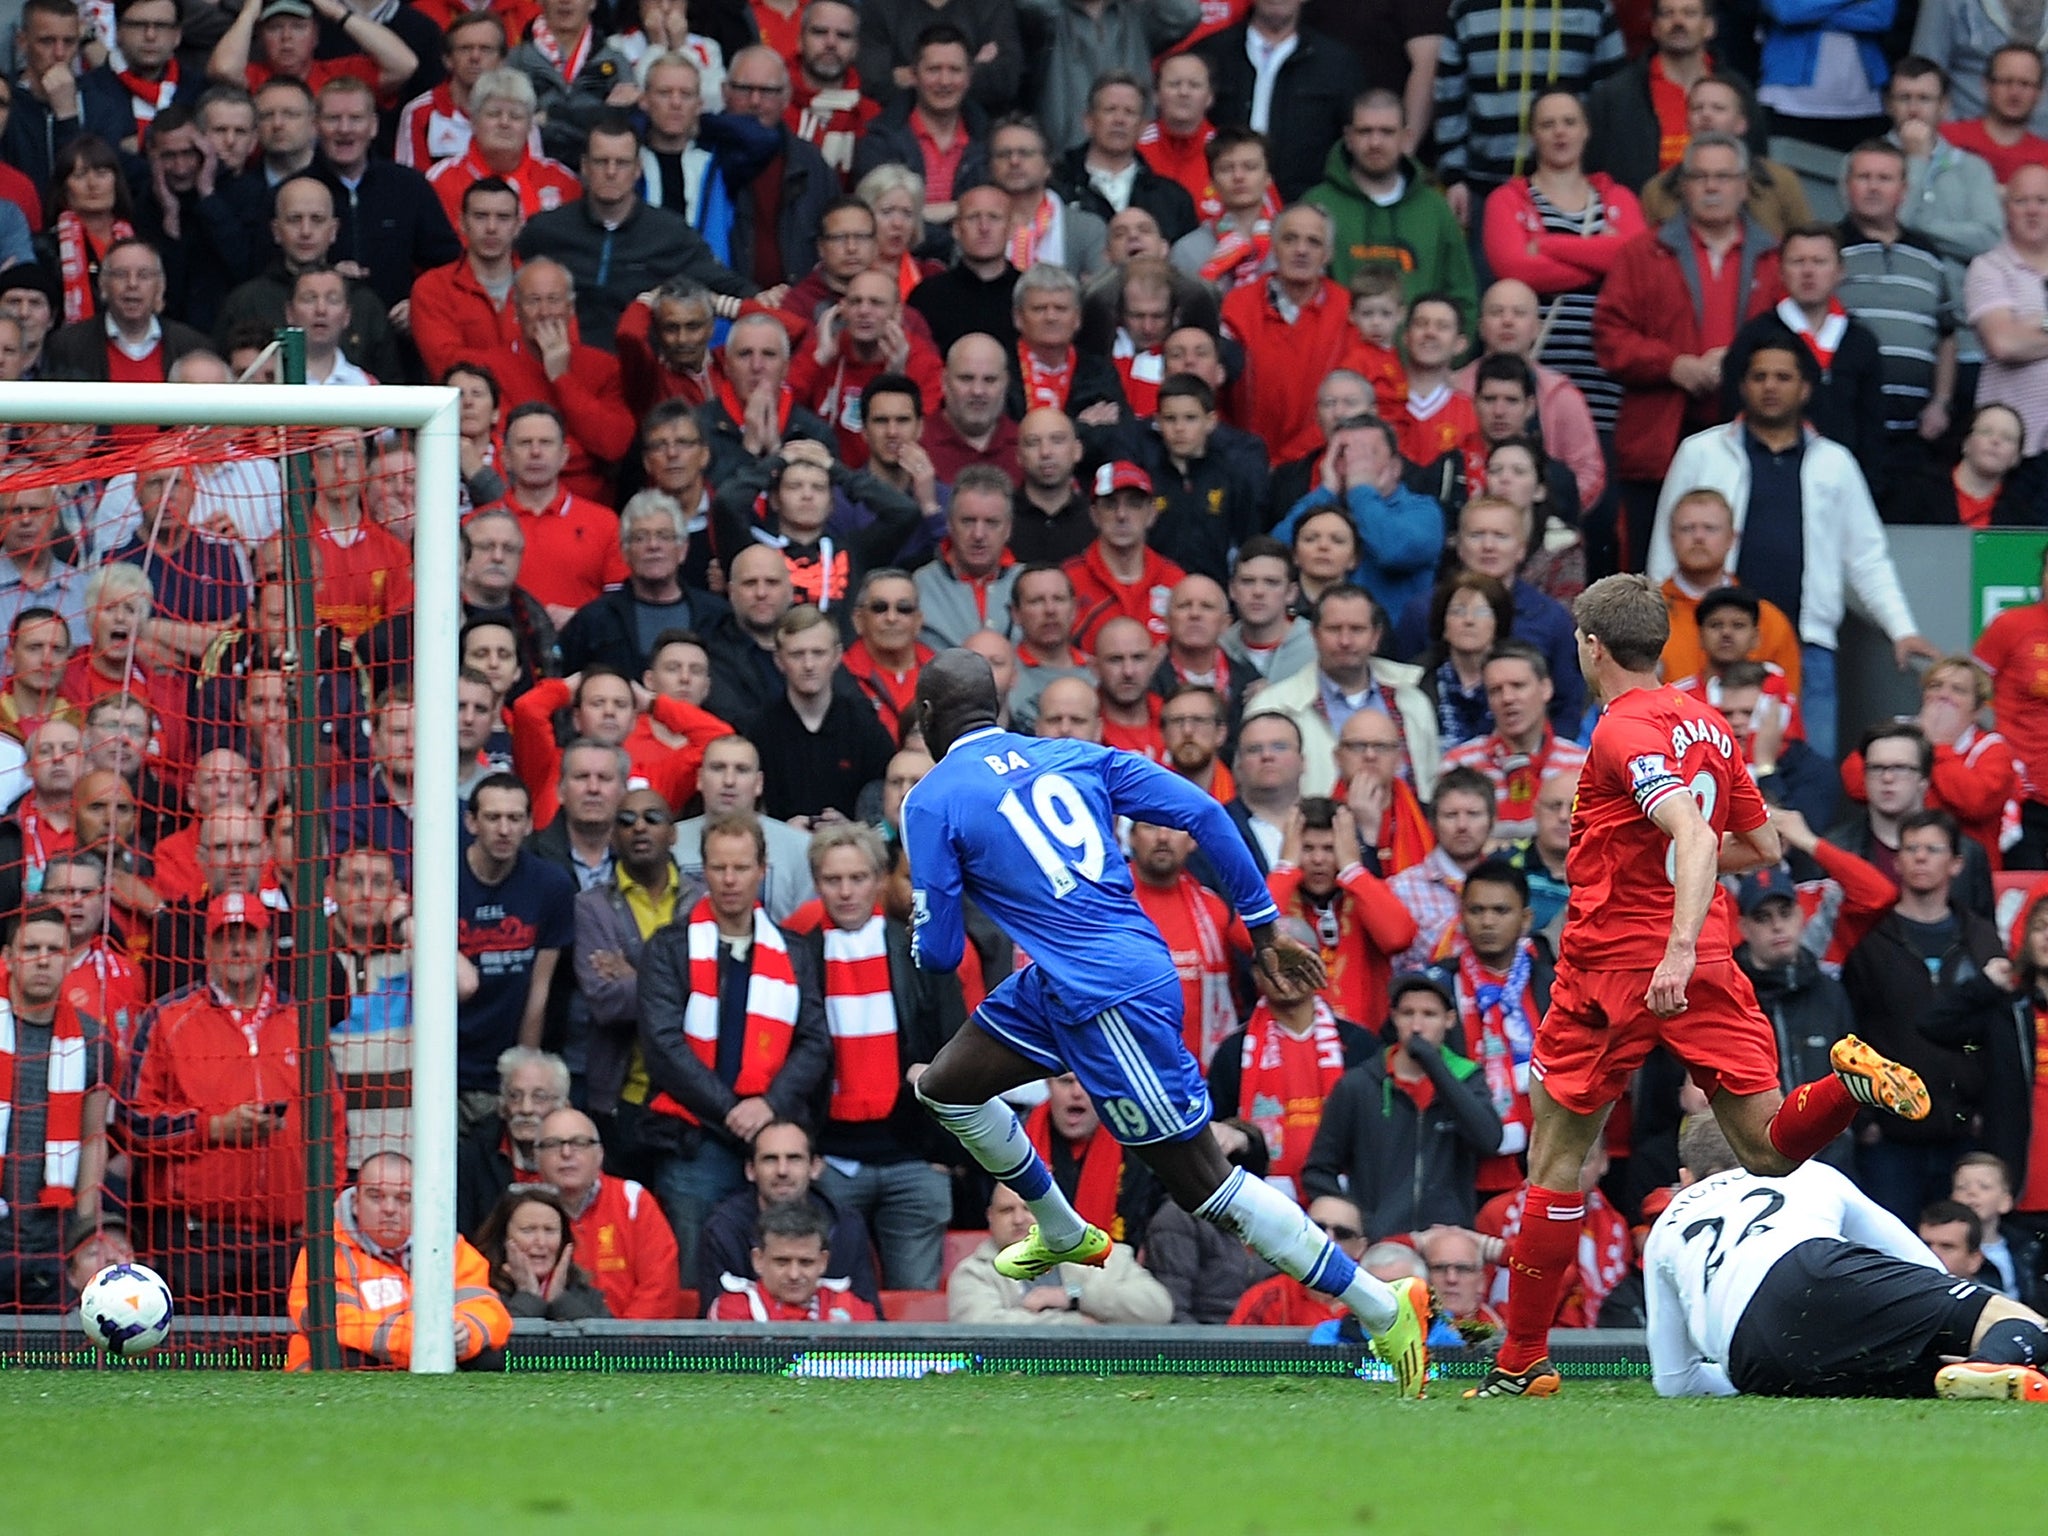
[1664,807]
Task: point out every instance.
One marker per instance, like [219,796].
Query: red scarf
[1240,258]
[771,1007]
[736,408]
[75,256]
[860,1014]
[1285,1082]
[528,188]
[1102,1171]
[64,1127]
[1209,1015]
[1822,340]
[1045,386]
[1405,838]
[148,97]
[551,50]
[1027,237]
[1141,372]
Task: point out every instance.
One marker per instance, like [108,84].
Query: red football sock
[1541,1261]
[1812,1115]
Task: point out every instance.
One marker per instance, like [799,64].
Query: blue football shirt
[1028,829]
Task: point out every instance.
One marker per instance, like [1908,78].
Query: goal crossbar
[431,412]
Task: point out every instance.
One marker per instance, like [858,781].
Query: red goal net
[205,850]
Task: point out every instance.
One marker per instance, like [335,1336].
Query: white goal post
[431,413]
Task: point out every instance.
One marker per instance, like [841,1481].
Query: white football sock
[1279,1231]
[991,1134]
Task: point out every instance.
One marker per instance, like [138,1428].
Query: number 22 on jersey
[1057,815]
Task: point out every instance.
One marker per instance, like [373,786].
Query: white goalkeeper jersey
[1716,1242]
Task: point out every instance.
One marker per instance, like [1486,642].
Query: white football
[126,1309]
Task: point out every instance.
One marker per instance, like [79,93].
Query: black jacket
[673,1066]
[614,267]
[210,255]
[1311,100]
[1095,381]
[727,440]
[1805,782]
[808,186]
[1167,201]
[956,303]
[1623,133]
[1929,497]
[1894,998]
[33,136]
[811,771]
[392,225]
[890,140]
[483,1172]
[1995,1030]
[368,342]
[929,1011]
[1810,1011]
[725,1247]
[79,351]
[606,630]
[1972,889]
[1206,510]
[744,679]
[1405,1170]
[1848,405]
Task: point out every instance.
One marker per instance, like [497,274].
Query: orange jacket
[373,1306]
[1372,928]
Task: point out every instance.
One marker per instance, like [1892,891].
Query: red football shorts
[1599,1030]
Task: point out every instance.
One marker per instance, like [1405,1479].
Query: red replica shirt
[572,549]
[1444,423]
[629,1249]
[365,576]
[1970,134]
[2014,650]
[1651,744]
[2034,1185]
[1100,597]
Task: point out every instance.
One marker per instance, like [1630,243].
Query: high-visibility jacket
[373,1306]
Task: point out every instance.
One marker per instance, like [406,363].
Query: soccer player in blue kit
[1028,829]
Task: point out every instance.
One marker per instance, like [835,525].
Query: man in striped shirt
[1895,282]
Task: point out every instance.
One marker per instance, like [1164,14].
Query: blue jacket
[1400,540]
[1792,33]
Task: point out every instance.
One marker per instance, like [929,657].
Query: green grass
[163,1454]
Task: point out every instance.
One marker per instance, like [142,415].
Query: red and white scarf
[1265,1096]
[1141,372]
[1026,238]
[75,257]
[1239,258]
[1822,340]
[771,1006]
[64,1121]
[148,97]
[860,1015]
[1045,385]
[551,50]
[1217,1019]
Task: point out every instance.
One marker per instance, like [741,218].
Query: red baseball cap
[1123,475]
[232,908]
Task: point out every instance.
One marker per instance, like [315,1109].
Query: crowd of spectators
[1254,385]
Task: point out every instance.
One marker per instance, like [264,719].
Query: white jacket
[1844,541]
[1295,697]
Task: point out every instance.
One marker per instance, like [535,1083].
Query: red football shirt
[2014,650]
[1651,744]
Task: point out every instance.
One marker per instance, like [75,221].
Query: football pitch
[175,1454]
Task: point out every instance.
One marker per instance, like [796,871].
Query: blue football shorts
[1130,1058]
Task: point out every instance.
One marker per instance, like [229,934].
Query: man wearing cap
[91,1243]
[215,1119]
[1810,1007]
[54,1070]
[1118,575]
[30,297]
[1403,1134]
[289,37]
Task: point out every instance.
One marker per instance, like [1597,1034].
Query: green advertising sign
[2005,571]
